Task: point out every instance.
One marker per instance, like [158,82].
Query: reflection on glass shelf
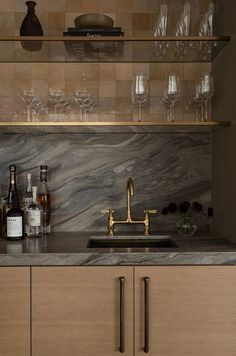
[122,49]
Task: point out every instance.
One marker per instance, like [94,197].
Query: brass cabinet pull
[122,315]
[146,315]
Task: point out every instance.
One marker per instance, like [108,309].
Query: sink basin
[131,243]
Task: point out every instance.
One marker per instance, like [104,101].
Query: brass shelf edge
[107,39]
[121,123]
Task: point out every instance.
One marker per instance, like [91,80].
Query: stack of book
[92,50]
[94,32]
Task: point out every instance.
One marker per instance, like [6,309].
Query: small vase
[31,27]
[186,228]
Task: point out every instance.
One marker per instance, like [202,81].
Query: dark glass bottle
[44,197]
[12,185]
[31,27]
[15,220]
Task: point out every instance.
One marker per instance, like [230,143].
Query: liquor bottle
[12,186]
[27,200]
[35,216]
[31,27]
[45,199]
[15,220]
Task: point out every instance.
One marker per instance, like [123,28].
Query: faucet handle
[154,211]
[107,211]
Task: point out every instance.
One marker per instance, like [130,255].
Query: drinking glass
[206,91]
[37,107]
[140,92]
[207,29]
[27,95]
[55,97]
[167,105]
[198,102]
[172,93]
[86,102]
[183,29]
[160,30]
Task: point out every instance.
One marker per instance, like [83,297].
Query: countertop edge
[120,259]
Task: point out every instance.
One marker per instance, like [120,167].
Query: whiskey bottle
[26,201]
[35,216]
[12,186]
[15,220]
[45,199]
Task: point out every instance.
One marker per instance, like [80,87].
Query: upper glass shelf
[110,49]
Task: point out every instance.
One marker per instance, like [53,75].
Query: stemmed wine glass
[140,92]
[172,93]
[34,104]
[198,102]
[55,97]
[86,102]
[206,91]
[27,96]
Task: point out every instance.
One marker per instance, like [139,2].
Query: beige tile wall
[109,83]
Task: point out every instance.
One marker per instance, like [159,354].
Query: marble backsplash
[88,172]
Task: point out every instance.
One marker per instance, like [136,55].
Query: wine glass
[55,97]
[140,92]
[27,95]
[198,102]
[167,105]
[86,102]
[206,91]
[172,93]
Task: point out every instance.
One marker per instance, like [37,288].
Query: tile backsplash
[109,83]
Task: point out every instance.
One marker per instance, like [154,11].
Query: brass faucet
[129,220]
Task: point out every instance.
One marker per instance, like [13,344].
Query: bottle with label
[12,186]
[35,216]
[27,200]
[45,199]
[15,220]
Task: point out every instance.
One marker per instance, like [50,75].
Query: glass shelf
[111,127]
[110,49]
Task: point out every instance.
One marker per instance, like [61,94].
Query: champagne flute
[140,92]
[172,93]
[206,91]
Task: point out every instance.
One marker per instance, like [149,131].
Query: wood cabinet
[14,311]
[192,310]
[176,311]
[76,311]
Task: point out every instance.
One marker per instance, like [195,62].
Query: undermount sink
[131,243]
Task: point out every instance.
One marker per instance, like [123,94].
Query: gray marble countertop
[69,249]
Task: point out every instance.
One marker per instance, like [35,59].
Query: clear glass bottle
[45,199]
[15,220]
[12,185]
[35,216]
[27,200]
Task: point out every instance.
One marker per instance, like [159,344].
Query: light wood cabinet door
[14,311]
[76,311]
[192,310]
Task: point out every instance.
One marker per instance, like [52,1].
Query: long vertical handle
[146,315]
[122,315]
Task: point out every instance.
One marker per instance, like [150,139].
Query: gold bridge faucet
[145,222]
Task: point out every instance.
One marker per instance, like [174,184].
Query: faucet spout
[130,192]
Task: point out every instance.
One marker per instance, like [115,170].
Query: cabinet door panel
[76,311]
[14,311]
[192,310]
